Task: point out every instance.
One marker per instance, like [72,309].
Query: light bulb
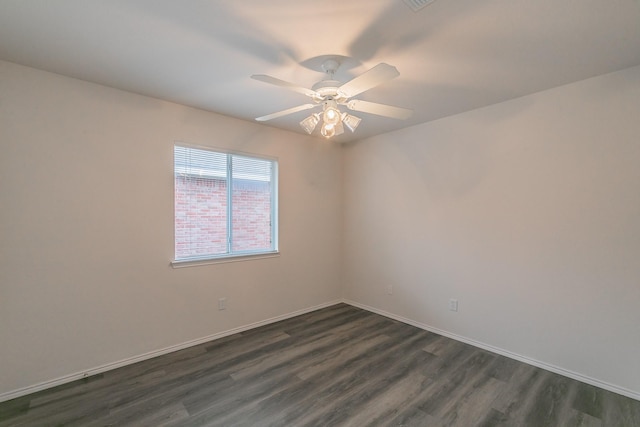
[328,130]
[331,116]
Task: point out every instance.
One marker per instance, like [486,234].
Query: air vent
[416,5]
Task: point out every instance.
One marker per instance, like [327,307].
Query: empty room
[320,213]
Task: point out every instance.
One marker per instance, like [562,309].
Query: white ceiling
[453,55]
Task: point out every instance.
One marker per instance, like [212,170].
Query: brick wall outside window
[251,201]
[201,216]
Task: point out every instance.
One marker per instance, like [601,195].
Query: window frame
[230,255]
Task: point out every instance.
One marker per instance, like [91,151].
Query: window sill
[222,259]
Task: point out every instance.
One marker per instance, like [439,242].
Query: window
[225,204]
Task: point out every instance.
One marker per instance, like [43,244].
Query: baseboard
[150,355]
[135,359]
[552,368]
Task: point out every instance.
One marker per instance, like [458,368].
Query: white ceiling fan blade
[282,83]
[369,79]
[285,112]
[379,109]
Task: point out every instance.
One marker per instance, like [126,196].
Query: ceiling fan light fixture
[310,123]
[331,115]
[351,122]
[328,130]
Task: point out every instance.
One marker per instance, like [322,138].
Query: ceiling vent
[416,5]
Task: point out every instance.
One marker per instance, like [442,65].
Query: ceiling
[453,55]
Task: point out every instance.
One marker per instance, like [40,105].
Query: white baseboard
[135,359]
[556,369]
[131,360]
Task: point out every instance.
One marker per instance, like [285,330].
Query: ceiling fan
[330,94]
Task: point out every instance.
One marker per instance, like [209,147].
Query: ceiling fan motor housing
[327,88]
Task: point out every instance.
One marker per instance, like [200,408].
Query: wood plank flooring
[340,366]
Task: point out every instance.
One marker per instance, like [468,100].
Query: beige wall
[86,225]
[527,212]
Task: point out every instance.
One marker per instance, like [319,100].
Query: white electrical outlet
[389,289]
[453,304]
[222,304]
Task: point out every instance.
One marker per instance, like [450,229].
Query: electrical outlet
[453,304]
[222,304]
[389,289]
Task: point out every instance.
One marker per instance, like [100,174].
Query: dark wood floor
[333,367]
